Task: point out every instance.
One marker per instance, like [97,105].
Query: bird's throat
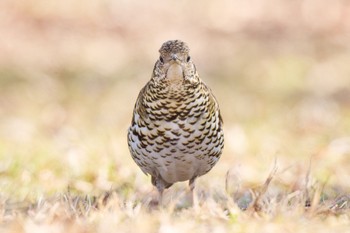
[175,73]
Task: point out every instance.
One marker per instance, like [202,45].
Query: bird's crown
[174,46]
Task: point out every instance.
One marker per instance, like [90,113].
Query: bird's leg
[160,196]
[160,187]
[193,193]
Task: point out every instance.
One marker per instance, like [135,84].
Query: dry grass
[218,212]
[70,73]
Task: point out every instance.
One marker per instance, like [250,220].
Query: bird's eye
[188,59]
[161,59]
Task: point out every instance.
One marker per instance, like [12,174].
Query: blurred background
[70,72]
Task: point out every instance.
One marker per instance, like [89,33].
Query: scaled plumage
[176,130]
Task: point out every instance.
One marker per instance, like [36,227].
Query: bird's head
[175,66]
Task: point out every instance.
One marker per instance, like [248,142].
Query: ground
[70,74]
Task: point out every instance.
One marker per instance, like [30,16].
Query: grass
[218,211]
[69,78]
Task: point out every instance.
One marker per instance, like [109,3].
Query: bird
[176,132]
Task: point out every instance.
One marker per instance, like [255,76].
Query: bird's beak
[174,57]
